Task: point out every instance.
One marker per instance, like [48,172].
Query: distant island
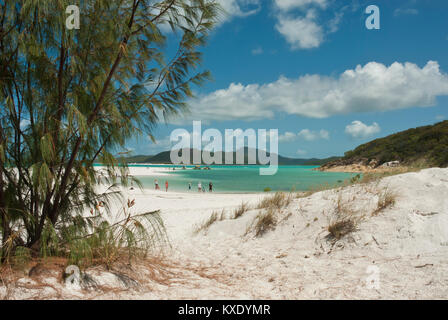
[164,158]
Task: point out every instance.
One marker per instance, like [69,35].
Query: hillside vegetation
[427,145]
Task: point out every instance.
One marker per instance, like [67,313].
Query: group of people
[157,187]
[200,188]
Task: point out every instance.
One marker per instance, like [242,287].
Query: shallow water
[246,178]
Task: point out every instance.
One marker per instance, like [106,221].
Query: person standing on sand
[210,187]
[199,187]
[156,183]
[166,186]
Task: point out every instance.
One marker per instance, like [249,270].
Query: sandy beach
[398,253]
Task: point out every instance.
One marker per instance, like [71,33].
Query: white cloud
[358,129]
[373,87]
[301,152]
[333,24]
[298,23]
[305,134]
[239,8]
[309,135]
[300,32]
[24,123]
[287,5]
[287,137]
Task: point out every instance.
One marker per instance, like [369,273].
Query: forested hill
[164,158]
[427,144]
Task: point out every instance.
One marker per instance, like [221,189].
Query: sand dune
[399,252]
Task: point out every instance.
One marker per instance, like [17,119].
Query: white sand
[406,246]
[146,171]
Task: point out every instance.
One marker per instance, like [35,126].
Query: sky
[312,70]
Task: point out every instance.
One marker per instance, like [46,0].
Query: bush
[94,240]
[341,228]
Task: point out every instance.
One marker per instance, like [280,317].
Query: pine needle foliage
[72,98]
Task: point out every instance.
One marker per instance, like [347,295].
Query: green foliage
[70,98]
[428,144]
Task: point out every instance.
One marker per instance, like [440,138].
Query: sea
[244,179]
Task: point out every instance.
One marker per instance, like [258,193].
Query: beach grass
[277,201]
[242,209]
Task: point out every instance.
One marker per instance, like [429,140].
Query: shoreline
[357,168]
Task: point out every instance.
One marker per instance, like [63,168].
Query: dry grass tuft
[278,201]
[263,222]
[340,228]
[386,199]
[214,217]
[345,220]
[243,208]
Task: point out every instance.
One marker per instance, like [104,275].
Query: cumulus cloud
[287,137]
[359,130]
[309,135]
[372,87]
[304,134]
[301,32]
[298,23]
[287,5]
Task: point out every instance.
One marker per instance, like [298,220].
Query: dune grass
[277,201]
[214,217]
[242,209]
[386,199]
[344,219]
[264,221]
[268,218]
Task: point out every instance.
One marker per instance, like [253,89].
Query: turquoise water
[246,179]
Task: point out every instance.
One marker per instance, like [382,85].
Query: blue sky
[312,70]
